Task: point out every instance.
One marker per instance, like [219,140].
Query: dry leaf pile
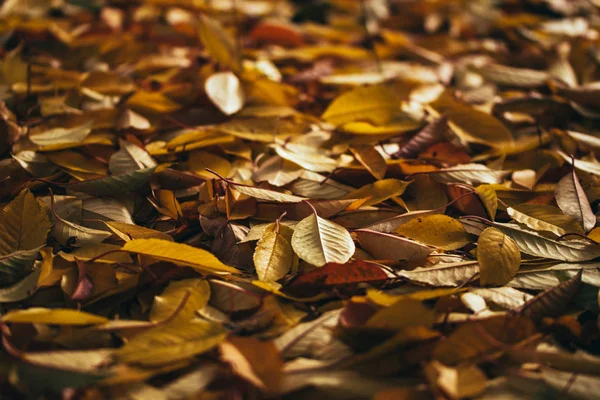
[299,199]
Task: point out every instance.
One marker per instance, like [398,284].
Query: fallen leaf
[178,253]
[319,241]
[498,256]
[436,230]
[225,91]
[572,200]
[376,104]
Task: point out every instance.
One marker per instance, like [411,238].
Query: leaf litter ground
[299,199]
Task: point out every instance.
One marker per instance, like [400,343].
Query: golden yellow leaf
[178,340]
[25,224]
[219,44]
[273,256]
[379,191]
[436,230]
[195,293]
[377,104]
[489,198]
[472,125]
[54,316]
[199,161]
[77,162]
[178,253]
[152,102]
[544,218]
[403,313]
[128,232]
[498,256]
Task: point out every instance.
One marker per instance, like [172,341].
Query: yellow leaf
[25,224]
[498,256]
[225,91]
[152,102]
[175,341]
[403,313]
[265,91]
[199,161]
[56,316]
[108,83]
[128,232]
[319,241]
[472,125]
[178,253]
[265,129]
[273,256]
[489,198]
[168,204]
[379,191]
[436,230]
[544,218]
[377,104]
[399,124]
[219,44]
[77,162]
[195,293]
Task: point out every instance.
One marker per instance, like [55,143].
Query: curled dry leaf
[572,200]
[184,182]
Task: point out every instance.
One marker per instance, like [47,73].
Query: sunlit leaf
[319,241]
[178,253]
[376,104]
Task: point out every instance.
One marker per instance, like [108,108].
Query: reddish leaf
[338,276]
